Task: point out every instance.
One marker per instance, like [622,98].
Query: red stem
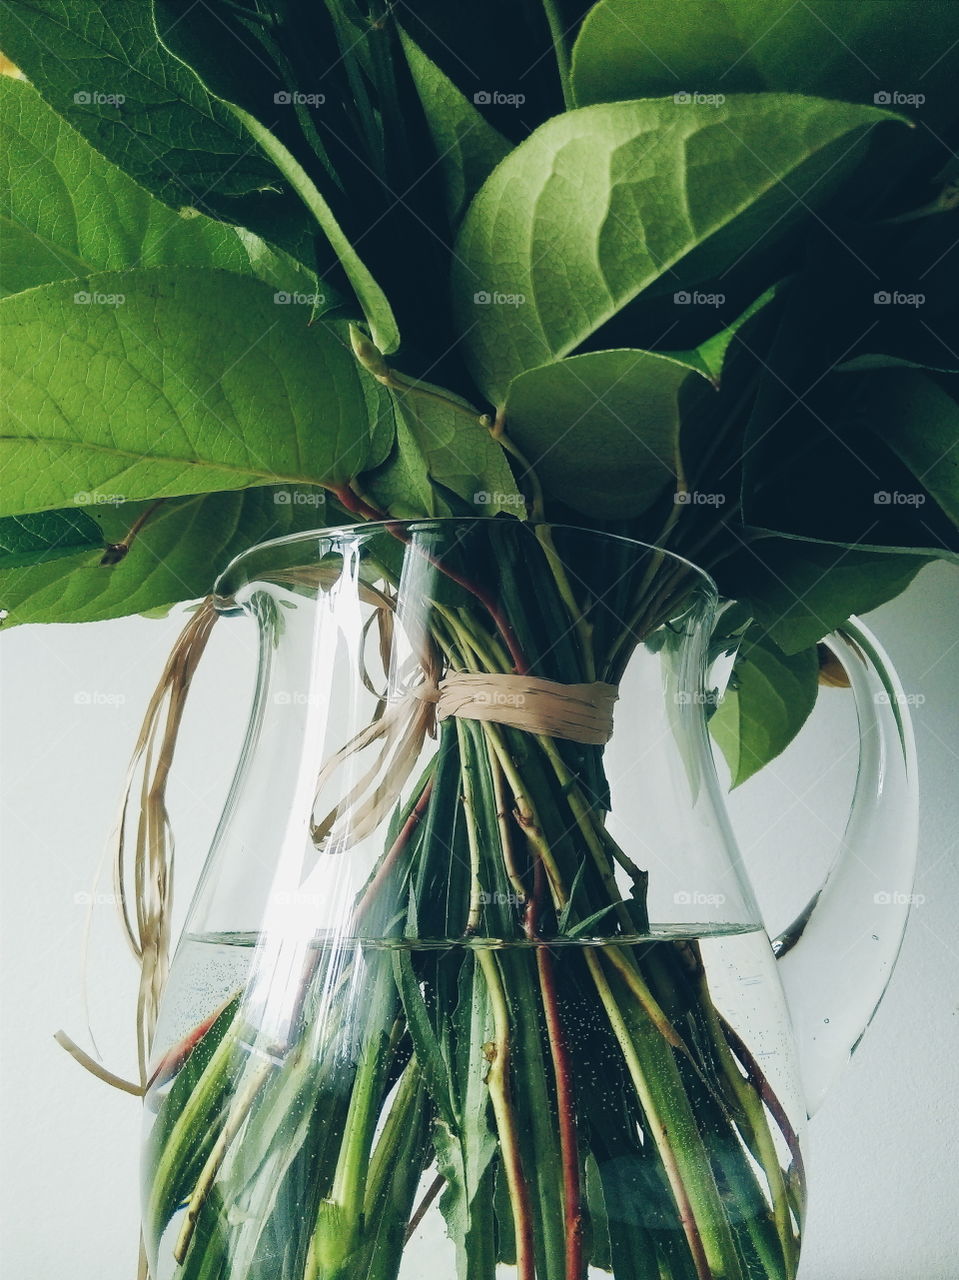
[393,853]
[765,1091]
[565,1097]
[359,507]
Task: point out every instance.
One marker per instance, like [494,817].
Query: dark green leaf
[601,203]
[920,423]
[155,383]
[46,535]
[800,591]
[468,148]
[769,698]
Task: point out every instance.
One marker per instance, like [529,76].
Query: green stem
[497,1080]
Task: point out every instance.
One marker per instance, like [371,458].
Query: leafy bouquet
[682,271]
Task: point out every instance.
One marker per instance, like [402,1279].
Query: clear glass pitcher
[474,984]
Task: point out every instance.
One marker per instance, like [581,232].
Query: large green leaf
[468,147]
[800,591]
[600,203]
[148,384]
[66,211]
[47,535]
[176,556]
[769,698]
[834,48]
[601,430]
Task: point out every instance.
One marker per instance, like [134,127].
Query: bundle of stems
[497,1028]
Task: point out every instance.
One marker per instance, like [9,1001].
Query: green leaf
[371,297]
[644,48]
[66,211]
[47,535]
[800,591]
[106,72]
[770,696]
[601,430]
[167,382]
[599,204]
[920,423]
[710,356]
[441,442]
[176,556]
[468,147]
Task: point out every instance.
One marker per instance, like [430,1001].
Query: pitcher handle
[836,958]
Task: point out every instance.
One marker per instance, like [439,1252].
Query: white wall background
[884,1174]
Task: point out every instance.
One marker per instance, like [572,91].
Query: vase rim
[224,589]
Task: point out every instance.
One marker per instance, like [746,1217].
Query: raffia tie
[576,712]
